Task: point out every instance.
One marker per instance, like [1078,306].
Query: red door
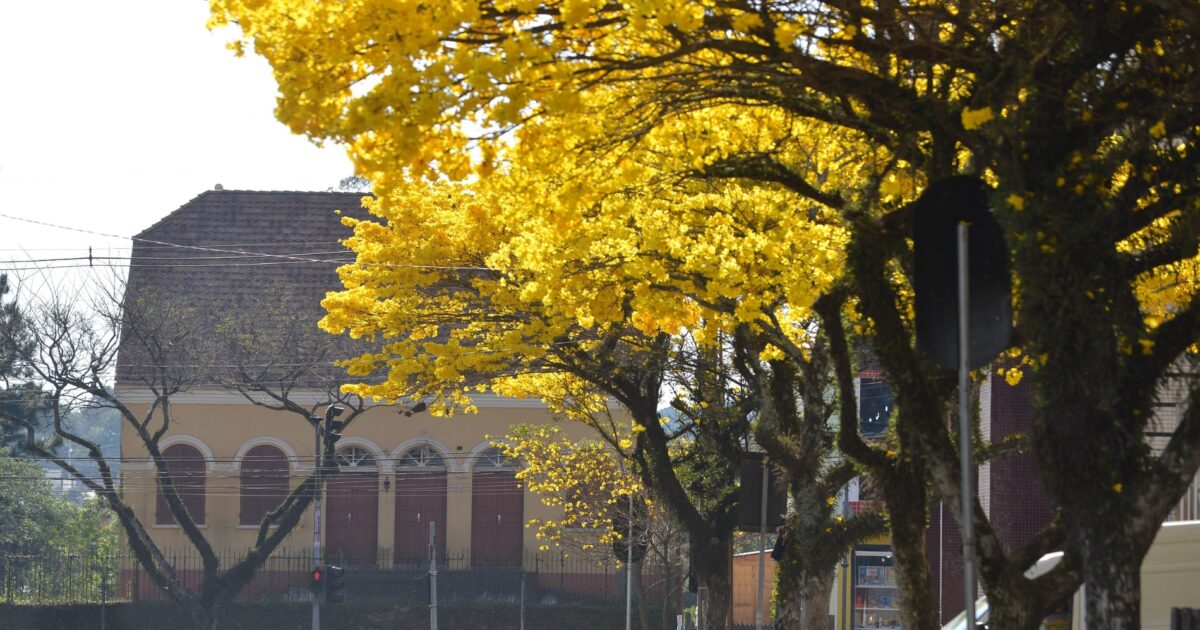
[497,518]
[352,518]
[420,499]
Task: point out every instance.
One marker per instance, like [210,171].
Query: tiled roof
[226,250]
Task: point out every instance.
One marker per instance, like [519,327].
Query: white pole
[629,571]
[432,577]
[964,429]
[762,551]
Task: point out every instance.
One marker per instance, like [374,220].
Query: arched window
[494,458]
[186,465]
[352,457]
[423,456]
[264,483]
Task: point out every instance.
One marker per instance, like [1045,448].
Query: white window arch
[355,458]
[422,456]
[492,458]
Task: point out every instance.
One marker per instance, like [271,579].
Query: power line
[228,251]
[169,258]
[148,246]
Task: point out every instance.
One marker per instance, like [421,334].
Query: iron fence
[59,577]
[543,577]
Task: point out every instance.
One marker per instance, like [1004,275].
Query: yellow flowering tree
[1079,113]
[605,510]
[582,478]
[448,314]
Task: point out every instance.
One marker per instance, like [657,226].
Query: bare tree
[70,346]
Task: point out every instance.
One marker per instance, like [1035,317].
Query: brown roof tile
[226,250]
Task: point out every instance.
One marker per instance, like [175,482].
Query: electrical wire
[168,258]
[224,250]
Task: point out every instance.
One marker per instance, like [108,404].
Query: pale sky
[112,115]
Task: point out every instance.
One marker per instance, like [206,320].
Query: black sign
[940,209]
[750,494]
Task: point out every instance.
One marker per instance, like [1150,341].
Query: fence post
[103,595]
[522,598]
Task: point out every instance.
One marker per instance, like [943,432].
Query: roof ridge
[189,203]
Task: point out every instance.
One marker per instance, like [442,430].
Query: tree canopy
[701,166]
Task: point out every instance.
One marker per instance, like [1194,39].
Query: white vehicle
[1170,579]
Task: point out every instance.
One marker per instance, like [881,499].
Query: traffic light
[316,582]
[333,428]
[335,586]
[333,432]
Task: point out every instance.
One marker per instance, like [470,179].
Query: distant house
[257,259]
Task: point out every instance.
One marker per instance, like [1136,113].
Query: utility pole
[433,576]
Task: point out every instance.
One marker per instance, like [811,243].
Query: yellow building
[260,262]
[397,475]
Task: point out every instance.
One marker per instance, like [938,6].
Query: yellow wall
[745,586]
[224,427]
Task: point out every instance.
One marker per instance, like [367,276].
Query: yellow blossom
[974,118]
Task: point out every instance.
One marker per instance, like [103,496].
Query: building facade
[255,265]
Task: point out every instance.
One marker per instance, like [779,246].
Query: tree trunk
[817,591]
[712,563]
[1112,581]
[813,597]
[790,597]
[204,617]
[639,595]
[904,492]
[802,596]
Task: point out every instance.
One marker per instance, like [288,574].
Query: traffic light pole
[316,602]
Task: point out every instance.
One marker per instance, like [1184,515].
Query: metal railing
[1188,508]
[544,577]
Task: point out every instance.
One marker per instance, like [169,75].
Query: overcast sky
[112,115]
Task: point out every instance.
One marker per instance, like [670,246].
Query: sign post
[963,299]
[966,465]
